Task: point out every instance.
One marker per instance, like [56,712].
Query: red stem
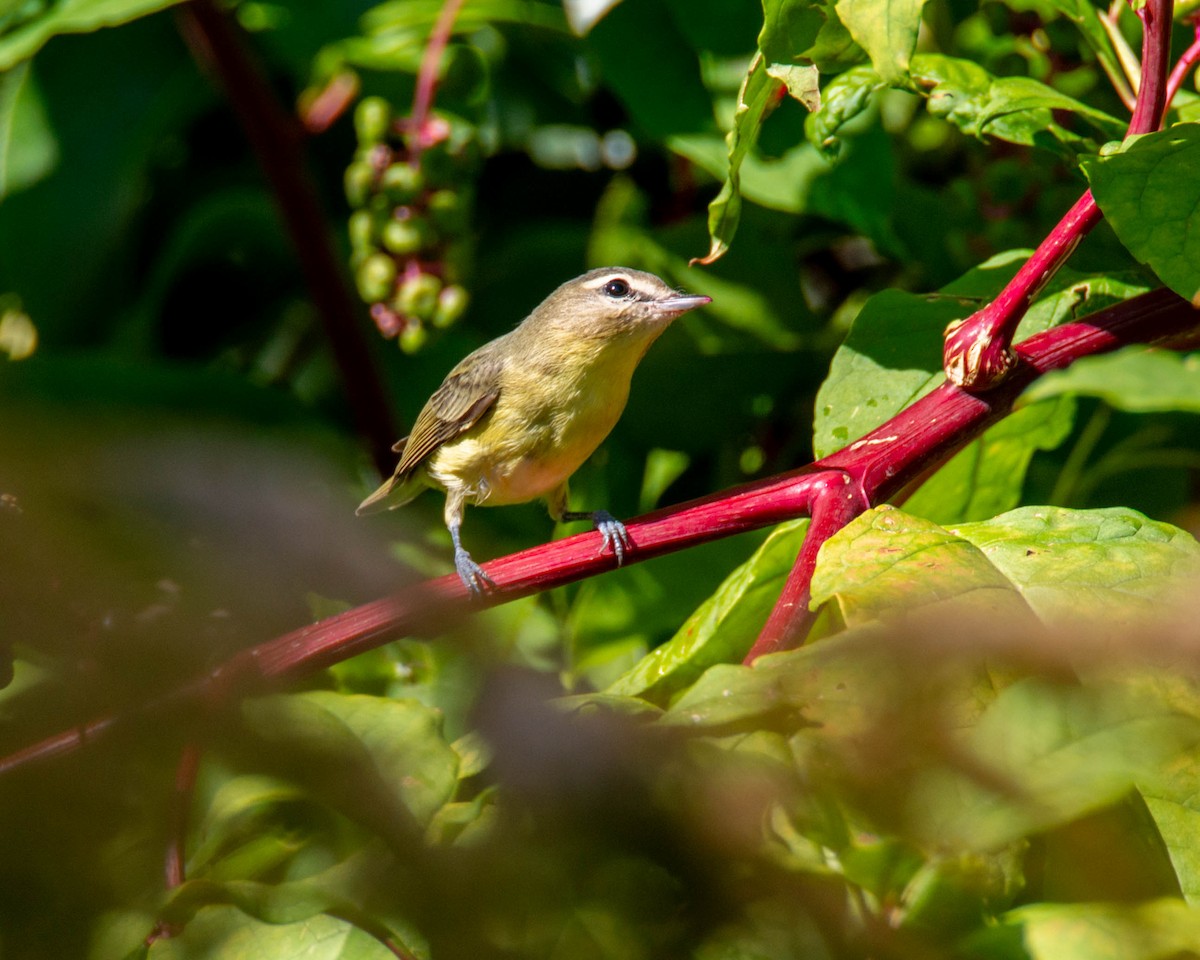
[878,466]
[427,76]
[275,136]
[978,352]
[836,501]
[181,815]
[1185,63]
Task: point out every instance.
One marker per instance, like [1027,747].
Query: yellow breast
[540,431]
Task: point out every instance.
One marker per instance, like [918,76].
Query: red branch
[978,351]
[275,136]
[869,470]
[1186,61]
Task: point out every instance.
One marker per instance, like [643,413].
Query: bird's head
[611,300]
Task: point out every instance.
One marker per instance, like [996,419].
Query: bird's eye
[616,289]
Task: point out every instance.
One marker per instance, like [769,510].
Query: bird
[517,417]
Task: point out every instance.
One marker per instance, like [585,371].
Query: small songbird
[517,417]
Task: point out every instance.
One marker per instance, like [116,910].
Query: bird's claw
[472,575]
[616,537]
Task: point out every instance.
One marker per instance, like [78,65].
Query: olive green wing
[457,405]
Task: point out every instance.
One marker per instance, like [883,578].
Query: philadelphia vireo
[517,417]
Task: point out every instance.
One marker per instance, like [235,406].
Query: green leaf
[1150,195]
[987,476]
[886,29]
[723,627]
[226,932]
[1109,567]
[846,97]
[364,749]
[758,95]
[69,16]
[1136,379]
[28,149]
[1113,567]
[891,357]
[886,564]
[582,15]
[1016,109]
[1172,794]
[1099,931]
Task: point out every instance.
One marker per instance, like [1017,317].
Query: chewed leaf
[1016,109]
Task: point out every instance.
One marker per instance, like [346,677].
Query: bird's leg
[616,537]
[469,572]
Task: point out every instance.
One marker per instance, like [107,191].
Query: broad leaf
[1150,194]
[28,149]
[722,628]
[988,475]
[366,749]
[886,29]
[25,37]
[1096,931]
[1136,379]
[1016,109]
[889,565]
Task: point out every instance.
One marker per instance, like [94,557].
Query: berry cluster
[410,192]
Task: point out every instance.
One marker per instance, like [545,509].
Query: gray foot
[616,537]
[474,579]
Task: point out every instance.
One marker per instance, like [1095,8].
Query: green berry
[413,336]
[376,276]
[451,304]
[362,230]
[402,183]
[448,211]
[359,180]
[372,119]
[418,296]
[404,237]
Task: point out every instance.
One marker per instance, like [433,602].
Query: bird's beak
[680,304]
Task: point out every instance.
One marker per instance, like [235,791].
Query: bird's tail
[394,492]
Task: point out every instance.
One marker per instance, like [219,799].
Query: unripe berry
[404,237]
[451,304]
[418,296]
[413,336]
[359,180]
[362,230]
[376,277]
[402,183]
[448,211]
[372,119]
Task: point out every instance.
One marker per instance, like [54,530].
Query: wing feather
[466,394]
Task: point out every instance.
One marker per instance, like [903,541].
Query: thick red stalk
[878,466]
[977,354]
[837,499]
[275,136]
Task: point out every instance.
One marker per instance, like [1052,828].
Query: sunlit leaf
[886,29]
[723,627]
[1016,109]
[987,476]
[1099,931]
[888,564]
[582,15]
[28,148]
[1112,566]
[24,38]
[1135,379]
[1149,193]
